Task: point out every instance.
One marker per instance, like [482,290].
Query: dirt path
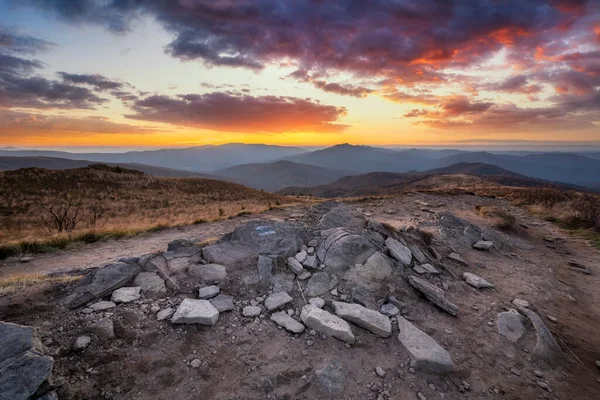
[100,253]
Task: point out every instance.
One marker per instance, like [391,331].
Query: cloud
[98,81]
[14,123]
[233,112]
[515,84]
[24,44]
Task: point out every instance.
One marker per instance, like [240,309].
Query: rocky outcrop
[342,249]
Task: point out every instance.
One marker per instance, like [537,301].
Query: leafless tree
[64,217]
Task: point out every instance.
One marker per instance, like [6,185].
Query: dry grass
[504,220]
[18,282]
[130,202]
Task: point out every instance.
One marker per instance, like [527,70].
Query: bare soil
[246,358]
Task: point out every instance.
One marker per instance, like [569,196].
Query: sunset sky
[298,72]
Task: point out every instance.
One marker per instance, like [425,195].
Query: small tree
[95,214]
[64,217]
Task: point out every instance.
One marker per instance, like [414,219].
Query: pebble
[195,363]
[309,342]
[421,396]
[551,318]
[538,373]
[448,331]
[432,387]
[515,372]
[544,386]
[380,372]
[520,303]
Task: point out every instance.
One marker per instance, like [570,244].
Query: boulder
[102,328]
[320,283]
[426,354]
[265,269]
[371,320]
[156,263]
[101,282]
[150,283]
[342,249]
[476,281]
[310,262]
[331,214]
[126,294]
[510,325]
[81,343]
[483,245]
[208,292]
[399,252]
[372,274]
[433,294]
[389,309]
[327,323]
[251,311]
[222,303]
[546,348]
[192,311]
[281,318]
[16,339]
[276,300]
[248,241]
[295,265]
[20,377]
[180,244]
[208,272]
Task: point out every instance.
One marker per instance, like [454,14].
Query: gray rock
[304,275]
[222,303]
[102,306]
[510,325]
[281,318]
[380,372]
[208,272]
[546,348]
[371,320]
[389,309]
[313,243]
[102,328]
[284,282]
[331,377]
[319,284]
[276,300]
[310,251]
[434,294]
[457,259]
[265,269]
[248,241]
[49,396]
[317,302]
[426,354]
[208,292]
[331,214]
[126,294]
[179,244]
[327,323]
[363,297]
[483,245]
[165,314]
[175,266]
[426,269]
[157,263]
[251,311]
[295,265]
[150,283]
[342,249]
[372,274]
[418,254]
[81,343]
[520,303]
[21,376]
[16,339]
[399,252]
[310,262]
[301,257]
[101,282]
[476,281]
[192,311]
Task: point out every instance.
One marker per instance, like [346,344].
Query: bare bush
[63,217]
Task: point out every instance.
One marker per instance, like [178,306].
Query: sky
[156,73]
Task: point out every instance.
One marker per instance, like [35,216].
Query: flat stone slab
[327,323]
[457,259]
[281,318]
[434,294]
[150,283]
[476,281]
[319,283]
[165,314]
[426,269]
[342,249]
[126,294]
[265,269]
[483,245]
[222,303]
[276,300]
[372,274]
[399,252]
[102,306]
[389,309]
[101,282]
[208,292]
[251,311]
[15,339]
[371,320]
[426,354]
[208,272]
[510,325]
[192,311]
[20,377]
[546,348]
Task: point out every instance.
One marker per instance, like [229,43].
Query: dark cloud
[124,96]
[99,82]
[232,112]
[515,84]
[17,65]
[17,43]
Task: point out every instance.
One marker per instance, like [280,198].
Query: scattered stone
[476,281]
[102,306]
[21,376]
[551,318]
[426,269]
[222,303]
[434,294]
[313,243]
[510,325]
[398,251]
[192,311]
[276,300]
[283,319]
[251,311]
[319,284]
[208,272]
[483,245]
[544,386]
[457,259]
[310,262]
[380,372]
[25,260]
[304,275]
[577,267]
[546,347]
[295,265]
[327,323]
[515,372]
[426,354]
[126,294]
[371,320]
[389,309]
[150,283]
[310,251]
[301,257]
[265,269]
[102,328]
[208,292]
[196,363]
[317,302]
[165,314]
[520,303]
[81,343]
[102,282]
[421,396]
